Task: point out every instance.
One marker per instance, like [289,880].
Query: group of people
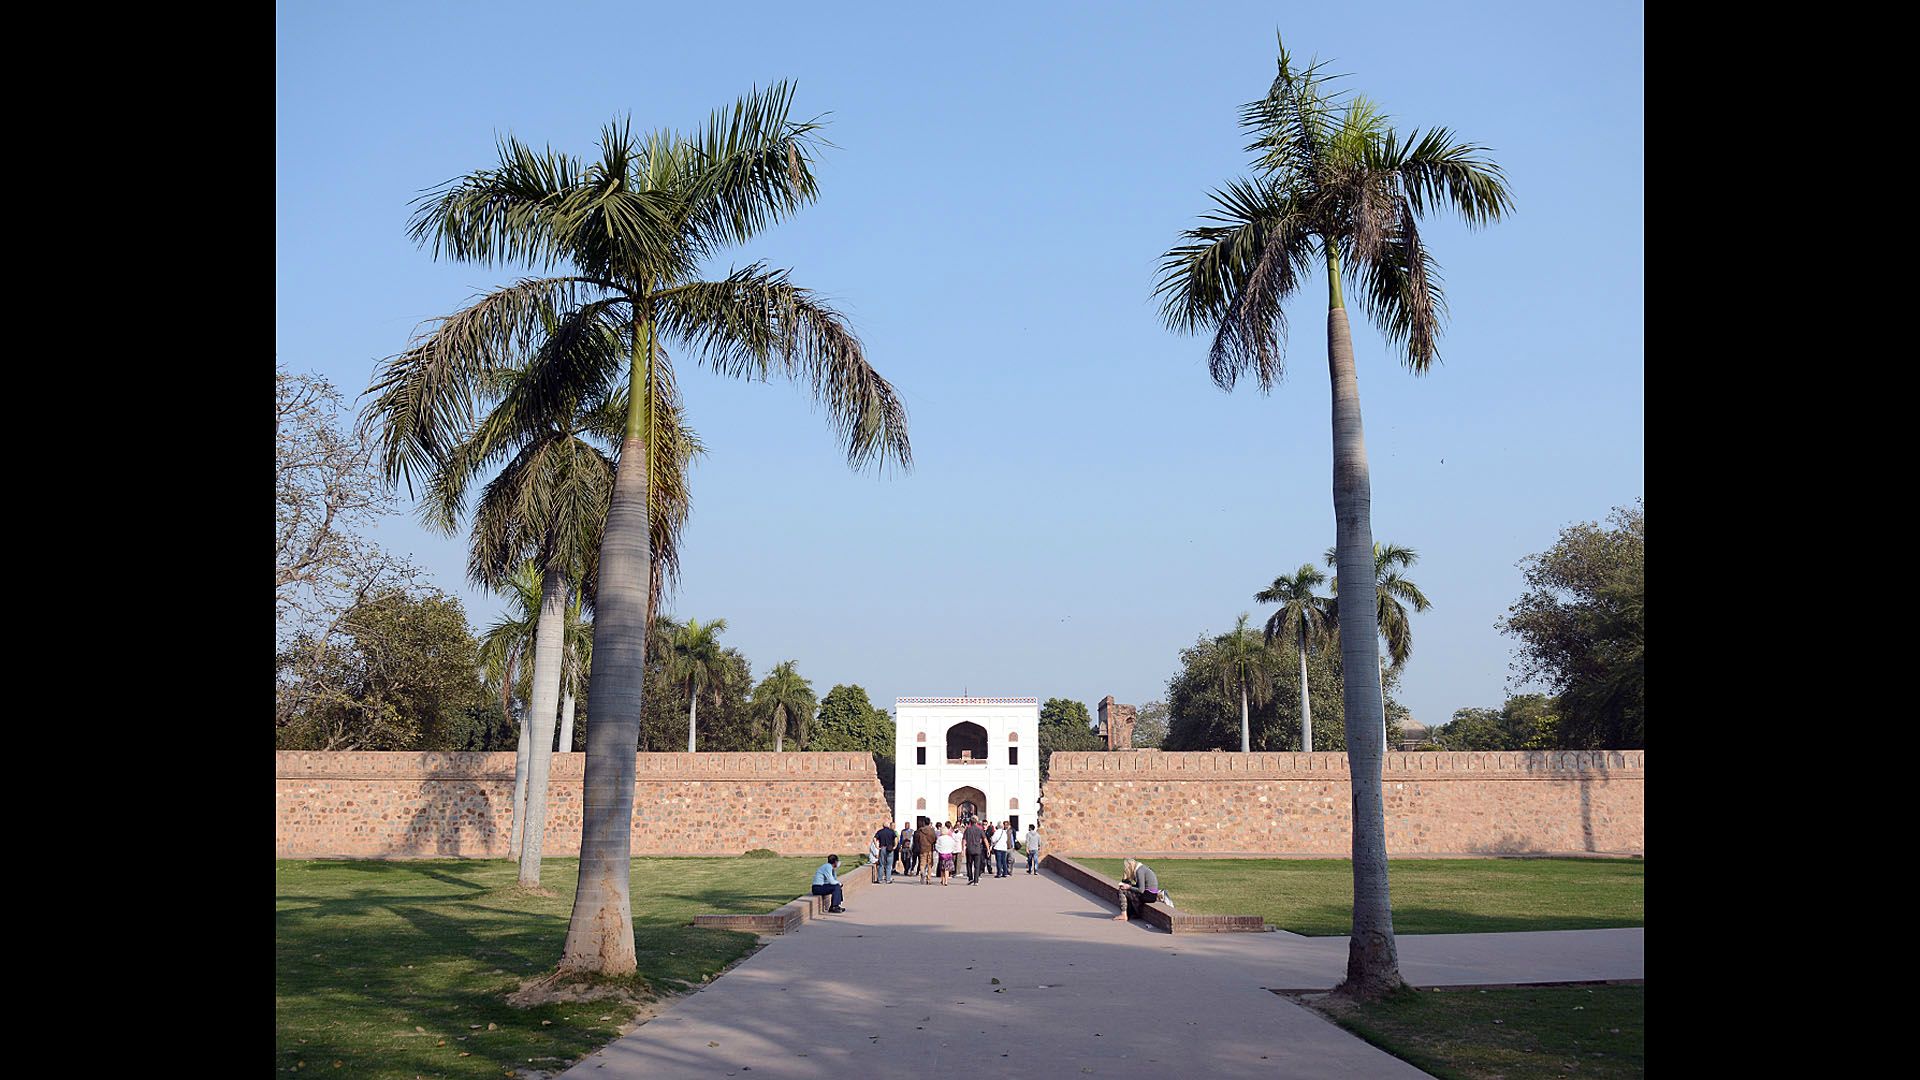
[934,850]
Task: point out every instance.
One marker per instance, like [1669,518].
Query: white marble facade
[949,751]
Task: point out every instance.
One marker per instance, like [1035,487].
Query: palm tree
[579,660]
[1303,617]
[1240,662]
[699,662]
[1390,587]
[631,231]
[506,647]
[1335,185]
[785,699]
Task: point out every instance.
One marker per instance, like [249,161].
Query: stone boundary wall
[1146,803]
[427,805]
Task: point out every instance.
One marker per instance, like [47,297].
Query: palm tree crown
[698,661]
[1334,180]
[1303,618]
[785,699]
[1390,589]
[1241,662]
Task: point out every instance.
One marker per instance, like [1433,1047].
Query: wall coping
[1091,765]
[434,765]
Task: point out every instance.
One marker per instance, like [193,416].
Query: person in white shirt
[1002,849]
[948,846]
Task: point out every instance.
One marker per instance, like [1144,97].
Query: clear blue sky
[1085,501]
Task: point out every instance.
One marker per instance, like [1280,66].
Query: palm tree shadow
[458,820]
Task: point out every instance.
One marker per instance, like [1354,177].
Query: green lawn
[1511,1034]
[396,969]
[1430,896]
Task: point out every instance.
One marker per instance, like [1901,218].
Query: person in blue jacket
[826,882]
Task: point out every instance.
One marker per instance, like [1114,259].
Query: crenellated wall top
[447,765]
[1069,765]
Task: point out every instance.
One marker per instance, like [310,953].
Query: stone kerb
[1157,804]
[1173,921]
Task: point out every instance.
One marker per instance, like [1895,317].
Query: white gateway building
[959,755]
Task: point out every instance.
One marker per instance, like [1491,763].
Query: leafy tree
[1065,725]
[1337,185]
[784,700]
[1582,629]
[327,495]
[401,673]
[1526,722]
[1150,726]
[848,721]
[1304,621]
[632,231]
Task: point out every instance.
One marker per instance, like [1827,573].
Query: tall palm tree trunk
[600,932]
[549,642]
[1306,703]
[521,753]
[1382,675]
[1373,962]
[693,713]
[779,729]
[1246,743]
[566,724]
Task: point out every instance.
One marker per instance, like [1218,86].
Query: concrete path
[902,985]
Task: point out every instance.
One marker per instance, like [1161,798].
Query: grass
[400,969]
[1430,896]
[1514,1034]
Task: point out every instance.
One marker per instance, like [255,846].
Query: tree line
[1581,630]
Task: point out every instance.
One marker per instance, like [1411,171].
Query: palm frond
[1234,276]
[426,399]
[750,168]
[755,322]
[1401,289]
[1435,170]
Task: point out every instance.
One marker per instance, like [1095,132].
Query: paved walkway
[903,985]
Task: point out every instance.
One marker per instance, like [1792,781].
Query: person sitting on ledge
[826,882]
[1140,886]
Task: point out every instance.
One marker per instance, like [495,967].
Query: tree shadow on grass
[1336,921]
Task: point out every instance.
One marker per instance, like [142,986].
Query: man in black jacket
[884,865]
[976,845]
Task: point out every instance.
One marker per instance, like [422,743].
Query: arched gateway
[961,753]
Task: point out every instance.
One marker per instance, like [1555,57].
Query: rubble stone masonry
[1146,803]
[409,805]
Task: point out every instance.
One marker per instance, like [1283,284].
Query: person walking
[975,839]
[923,856]
[1033,847]
[905,850]
[947,846]
[1002,849]
[883,862]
